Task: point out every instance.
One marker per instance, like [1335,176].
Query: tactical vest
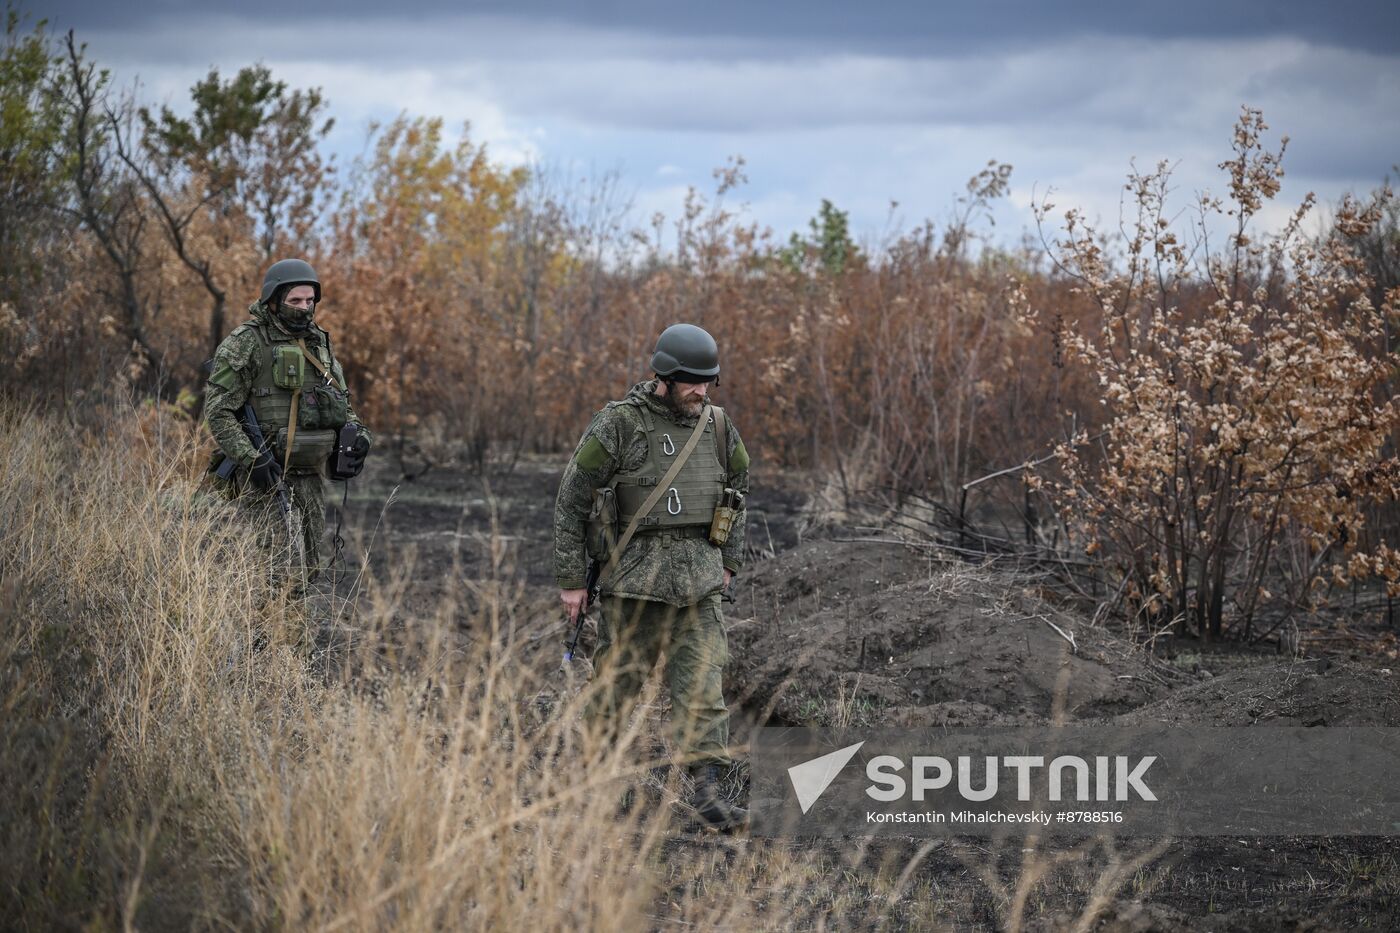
[284,372]
[692,496]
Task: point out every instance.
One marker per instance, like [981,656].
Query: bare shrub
[1242,441]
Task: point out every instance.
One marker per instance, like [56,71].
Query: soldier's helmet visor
[681,375]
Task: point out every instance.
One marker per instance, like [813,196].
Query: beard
[688,405]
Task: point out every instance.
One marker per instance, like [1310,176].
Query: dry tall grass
[172,755]
[202,770]
[174,758]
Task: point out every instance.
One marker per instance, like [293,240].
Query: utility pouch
[600,532]
[322,406]
[725,514]
[309,449]
[288,367]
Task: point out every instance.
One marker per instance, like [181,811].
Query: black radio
[348,459]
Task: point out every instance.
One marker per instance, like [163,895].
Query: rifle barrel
[595,568]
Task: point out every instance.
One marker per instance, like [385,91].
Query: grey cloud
[627,79]
[1361,161]
[862,121]
[901,28]
[1117,85]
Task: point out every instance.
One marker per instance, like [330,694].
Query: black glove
[265,473]
[358,452]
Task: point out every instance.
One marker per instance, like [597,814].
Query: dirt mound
[1306,693]
[863,633]
[847,633]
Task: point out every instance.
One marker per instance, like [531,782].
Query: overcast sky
[863,103]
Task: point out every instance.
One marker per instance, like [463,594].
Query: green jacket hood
[644,394]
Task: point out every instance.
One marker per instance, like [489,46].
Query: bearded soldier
[279,364]
[657,487]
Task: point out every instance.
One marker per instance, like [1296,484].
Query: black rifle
[590,593]
[249,420]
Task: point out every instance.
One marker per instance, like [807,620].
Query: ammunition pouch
[600,531]
[310,449]
[726,511]
[288,367]
[322,406]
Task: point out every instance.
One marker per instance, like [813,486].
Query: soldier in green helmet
[280,363]
[655,493]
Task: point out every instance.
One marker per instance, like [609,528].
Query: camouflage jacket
[662,567]
[235,366]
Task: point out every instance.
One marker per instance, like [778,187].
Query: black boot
[713,810]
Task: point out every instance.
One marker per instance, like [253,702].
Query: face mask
[295,319]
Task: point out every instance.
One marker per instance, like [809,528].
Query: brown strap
[301,342]
[656,494]
[296,399]
[291,431]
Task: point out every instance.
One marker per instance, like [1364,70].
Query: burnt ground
[850,627]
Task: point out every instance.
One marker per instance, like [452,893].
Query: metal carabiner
[668,446]
[676,496]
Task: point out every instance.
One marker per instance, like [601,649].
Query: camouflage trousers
[633,635]
[264,514]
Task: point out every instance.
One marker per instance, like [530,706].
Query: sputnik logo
[811,778]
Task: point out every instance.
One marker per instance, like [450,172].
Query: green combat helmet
[686,350]
[289,272]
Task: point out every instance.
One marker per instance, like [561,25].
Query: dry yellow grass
[420,789]
[173,757]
